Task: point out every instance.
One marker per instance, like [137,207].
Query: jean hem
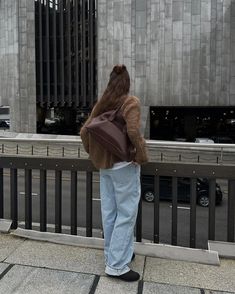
[116,272]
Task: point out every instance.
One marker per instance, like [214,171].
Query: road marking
[33,194]
[181,207]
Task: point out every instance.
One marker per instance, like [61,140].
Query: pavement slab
[28,280]
[64,257]
[8,244]
[217,278]
[110,285]
[153,288]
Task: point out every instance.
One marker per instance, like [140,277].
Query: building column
[17,63]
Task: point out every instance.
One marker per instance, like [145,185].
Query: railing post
[231,211]
[43,200]
[28,199]
[139,223]
[1,194]
[211,231]
[156,208]
[73,203]
[58,201]
[174,219]
[14,206]
[89,204]
[193,187]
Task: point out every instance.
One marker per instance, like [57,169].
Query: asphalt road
[147,213]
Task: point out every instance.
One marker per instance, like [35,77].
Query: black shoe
[130,276]
[133,257]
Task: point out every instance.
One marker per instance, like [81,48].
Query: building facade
[180,53]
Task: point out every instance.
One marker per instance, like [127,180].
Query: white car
[204,141]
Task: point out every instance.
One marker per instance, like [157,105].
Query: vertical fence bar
[28,199]
[58,201]
[139,223]
[211,231]
[55,52]
[174,212]
[89,204]
[69,71]
[43,200]
[231,211]
[156,208]
[62,52]
[193,199]
[76,38]
[40,54]
[84,81]
[48,53]
[91,50]
[73,203]
[14,206]
[1,194]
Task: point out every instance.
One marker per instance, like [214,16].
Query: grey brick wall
[178,52]
[17,63]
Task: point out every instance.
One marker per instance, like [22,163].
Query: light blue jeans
[120,195]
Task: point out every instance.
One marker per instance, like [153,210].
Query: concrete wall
[17,63]
[178,52]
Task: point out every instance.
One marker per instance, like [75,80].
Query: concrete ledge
[147,249]
[178,253]
[97,243]
[225,249]
[5,225]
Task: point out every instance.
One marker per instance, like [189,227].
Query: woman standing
[119,181]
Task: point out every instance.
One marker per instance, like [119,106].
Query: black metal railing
[75,166]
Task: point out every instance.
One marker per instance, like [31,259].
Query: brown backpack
[109,129]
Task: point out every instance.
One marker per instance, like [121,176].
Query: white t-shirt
[120,164]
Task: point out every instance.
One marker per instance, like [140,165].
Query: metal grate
[65,53]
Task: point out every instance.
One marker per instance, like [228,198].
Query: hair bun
[119,68]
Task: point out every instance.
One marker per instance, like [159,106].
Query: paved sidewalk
[28,266]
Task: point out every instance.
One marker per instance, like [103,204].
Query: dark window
[187,124]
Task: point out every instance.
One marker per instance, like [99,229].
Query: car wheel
[148,196]
[203,200]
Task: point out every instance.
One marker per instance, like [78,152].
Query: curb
[148,249]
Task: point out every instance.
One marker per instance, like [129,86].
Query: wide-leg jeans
[120,195]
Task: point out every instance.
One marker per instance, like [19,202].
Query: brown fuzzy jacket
[100,157]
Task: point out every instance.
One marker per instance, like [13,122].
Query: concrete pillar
[17,63]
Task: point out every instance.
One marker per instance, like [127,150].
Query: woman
[119,181]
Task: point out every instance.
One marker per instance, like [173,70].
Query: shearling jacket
[100,157]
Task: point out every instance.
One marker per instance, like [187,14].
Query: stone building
[180,53]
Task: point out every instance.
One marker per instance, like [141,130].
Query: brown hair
[116,91]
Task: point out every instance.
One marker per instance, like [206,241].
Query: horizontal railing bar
[178,169]
[47,163]
[150,143]
[189,170]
